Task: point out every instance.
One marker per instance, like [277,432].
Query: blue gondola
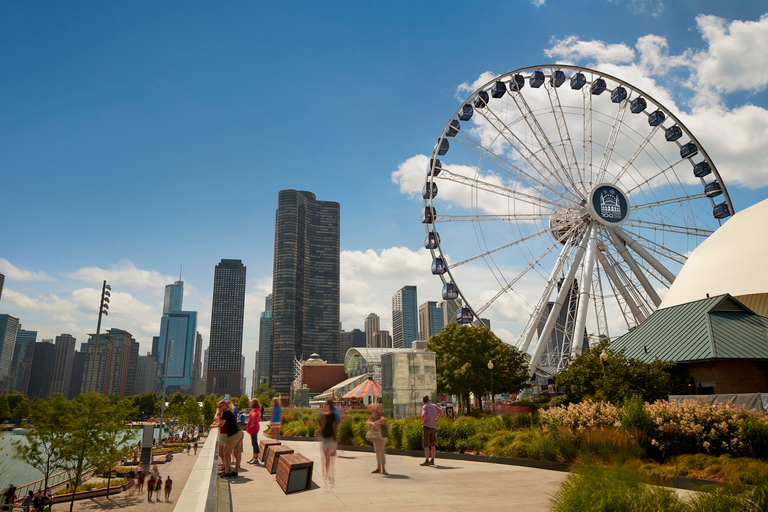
[499,89]
[429,191]
[598,86]
[450,291]
[453,128]
[439,267]
[701,169]
[537,79]
[688,150]
[517,83]
[656,118]
[443,149]
[428,215]
[638,105]
[673,133]
[721,211]
[578,80]
[432,240]
[557,78]
[618,95]
[434,167]
[463,316]
[482,99]
[713,189]
[466,112]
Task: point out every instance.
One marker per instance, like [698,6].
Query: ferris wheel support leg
[630,261]
[643,253]
[614,277]
[546,332]
[585,289]
[535,318]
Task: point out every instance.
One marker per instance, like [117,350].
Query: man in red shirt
[430,413]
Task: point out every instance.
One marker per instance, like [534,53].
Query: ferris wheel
[561,200]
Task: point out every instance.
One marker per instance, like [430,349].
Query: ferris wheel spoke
[587,140]
[537,201]
[584,292]
[525,152]
[505,165]
[674,200]
[608,153]
[563,131]
[669,228]
[519,217]
[634,267]
[601,319]
[610,270]
[497,249]
[557,306]
[510,284]
[644,254]
[661,249]
[638,151]
[662,172]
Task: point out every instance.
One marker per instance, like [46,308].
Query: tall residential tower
[405,323]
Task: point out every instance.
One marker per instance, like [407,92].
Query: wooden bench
[264,446]
[275,452]
[294,472]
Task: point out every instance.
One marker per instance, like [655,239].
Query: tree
[200,397]
[615,379]
[244,402]
[19,405]
[148,405]
[209,408]
[176,399]
[5,410]
[463,353]
[46,436]
[114,437]
[189,414]
[264,393]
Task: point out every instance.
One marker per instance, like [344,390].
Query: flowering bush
[581,416]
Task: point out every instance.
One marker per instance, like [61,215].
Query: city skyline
[169,106]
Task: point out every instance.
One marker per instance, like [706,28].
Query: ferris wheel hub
[608,205]
[566,221]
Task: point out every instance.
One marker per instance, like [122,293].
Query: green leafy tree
[148,405]
[190,415]
[5,409]
[209,408]
[264,393]
[114,438]
[463,353]
[19,405]
[176,399]
[615,379]
[46,436]
[200,397]
[244,402]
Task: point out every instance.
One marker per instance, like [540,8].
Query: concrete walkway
[449,485]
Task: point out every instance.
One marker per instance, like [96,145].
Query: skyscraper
[174,295]
[371,326]
[113,353]
[8,327]
[41,370]
[133,361]
[354,338]
[265,340]
[430,320]
[305,284]
[146,370]
[2,281]
[62,365]
[449,308]
[180,327]
[76,377]
[381,339]
[405,324]
[226,343]
[255,378]
[21,364]
[197,366]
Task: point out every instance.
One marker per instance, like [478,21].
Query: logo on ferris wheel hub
[608,205]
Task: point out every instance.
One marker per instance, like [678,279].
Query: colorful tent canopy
[369,387]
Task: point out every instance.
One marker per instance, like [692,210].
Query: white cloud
[47,303]
[573,49]
[13,273]
[466,88]
[124,274]
[538,3]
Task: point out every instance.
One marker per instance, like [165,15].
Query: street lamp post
[103,307]
[490,369]
[168,354]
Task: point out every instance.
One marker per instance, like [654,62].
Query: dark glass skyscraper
[405,322]
[226,343]
[305,284]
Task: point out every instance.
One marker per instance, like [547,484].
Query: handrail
[53,481]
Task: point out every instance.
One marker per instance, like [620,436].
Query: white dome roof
[732,260]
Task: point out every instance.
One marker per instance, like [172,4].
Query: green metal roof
[713,328]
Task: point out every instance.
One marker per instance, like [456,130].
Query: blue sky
[137,137]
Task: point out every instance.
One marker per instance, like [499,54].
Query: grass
[725,469]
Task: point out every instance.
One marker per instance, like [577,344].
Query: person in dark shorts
[430,413]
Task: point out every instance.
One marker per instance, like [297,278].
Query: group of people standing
[154,482]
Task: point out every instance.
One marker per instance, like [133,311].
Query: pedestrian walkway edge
[199,494]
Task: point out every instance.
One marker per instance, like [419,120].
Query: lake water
[17,472]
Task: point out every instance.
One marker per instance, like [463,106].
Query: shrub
[477,442]
[518,421]
[611,446]
[396,433]
[634,416]
[444,435]
[464,428]
[360,429]
[461,445]
[412,434]
[754,434]
[345,434]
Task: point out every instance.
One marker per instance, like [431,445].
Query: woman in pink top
[252,427]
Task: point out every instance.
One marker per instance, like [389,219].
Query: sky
[144,140]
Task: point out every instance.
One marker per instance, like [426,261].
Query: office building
[181,328]
[174,297]
[255,378]
[21,363]
[482,322]
[204,382]
[405,323]
[265,341]
[133,360]
[76,377]
[44,356]
[226,343]
[381,339]
[146,372]
[372,324]
[449,308]
[62,364]
[197,366]
[8,327]
[107,362]
[354,338]
[305,284]
[430,320]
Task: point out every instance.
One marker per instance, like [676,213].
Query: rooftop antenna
[181,266]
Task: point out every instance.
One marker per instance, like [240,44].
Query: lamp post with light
[490,370]
[93,376]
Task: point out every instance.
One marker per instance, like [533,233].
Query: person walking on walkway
[150,487]
[430,413]
[195,446]
[252,427]
[158,487]
[277,420]
[327,431]
[376,435]
[168,486]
